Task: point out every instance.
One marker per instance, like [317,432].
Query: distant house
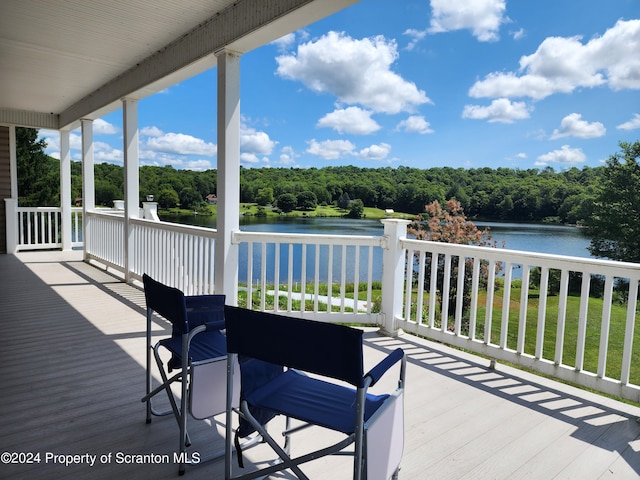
[78,202]
[212,199]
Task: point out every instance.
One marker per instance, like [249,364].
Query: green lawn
[253,210]
[592,336]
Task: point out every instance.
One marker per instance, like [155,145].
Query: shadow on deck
[72,359]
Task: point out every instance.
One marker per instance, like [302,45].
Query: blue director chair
[197,351]
[275,354]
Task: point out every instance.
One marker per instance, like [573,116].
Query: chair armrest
[380,369]
[215,325]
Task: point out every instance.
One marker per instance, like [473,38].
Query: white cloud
[501,110]
[102,127]
[181,144]
[197,165]
[561,64]
[285,41]
[375,152]
[355,71]
[631,124]
[415,35]
[75,141]
[352,120]
[252,141]
[330,149]
[573,126]
[287,156]
[415,124]
[151,131]
[517,35]
[565,155]
[522,155]
[103,152]
[250,158]
[482,17]
[177,161]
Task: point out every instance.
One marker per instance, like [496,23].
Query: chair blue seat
[314,401]
[197,349]
[312,372]
[204,346]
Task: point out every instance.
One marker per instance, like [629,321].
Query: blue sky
[417,83]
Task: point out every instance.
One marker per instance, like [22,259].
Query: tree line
[605,199]
[497,194]
[505,194]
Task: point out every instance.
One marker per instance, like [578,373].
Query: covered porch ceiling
[71,59]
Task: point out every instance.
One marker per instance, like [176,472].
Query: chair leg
[184,439]
[148,401]
[166,386]
[284,455]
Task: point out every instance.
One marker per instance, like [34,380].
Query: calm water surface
[557,239]
[560,240]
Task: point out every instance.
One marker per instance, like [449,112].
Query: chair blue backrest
[168,302]
[325,349]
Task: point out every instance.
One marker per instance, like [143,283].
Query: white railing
[328,278]
[481,299]
[177,255]
[105,238]
[325,277]
[39,228]
[571,318]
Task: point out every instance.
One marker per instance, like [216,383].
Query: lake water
[556,239]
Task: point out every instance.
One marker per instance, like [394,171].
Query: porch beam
[228,188]
[247,25]
[22,118]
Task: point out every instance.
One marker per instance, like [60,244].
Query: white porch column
[65,188]
[13,162]
[11,204]
[393,264]
[226,254]
[88,178]
[131,179]
[11,224]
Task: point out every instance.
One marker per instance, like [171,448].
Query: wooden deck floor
[72,369]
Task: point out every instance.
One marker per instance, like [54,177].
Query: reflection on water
[556,239]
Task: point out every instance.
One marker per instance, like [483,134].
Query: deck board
[72,360]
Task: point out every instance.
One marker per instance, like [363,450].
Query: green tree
[264,196]
[614,227]
[344,200]
[106,192]
[356,209]
[307,200]
[190,198]
[168,198]
[287,202]
[38,174]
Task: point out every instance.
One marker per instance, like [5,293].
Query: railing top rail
[176,227]
[608,267]
[307,238]
[105,214]
[39,209]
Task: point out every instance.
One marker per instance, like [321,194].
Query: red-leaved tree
[449,224]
